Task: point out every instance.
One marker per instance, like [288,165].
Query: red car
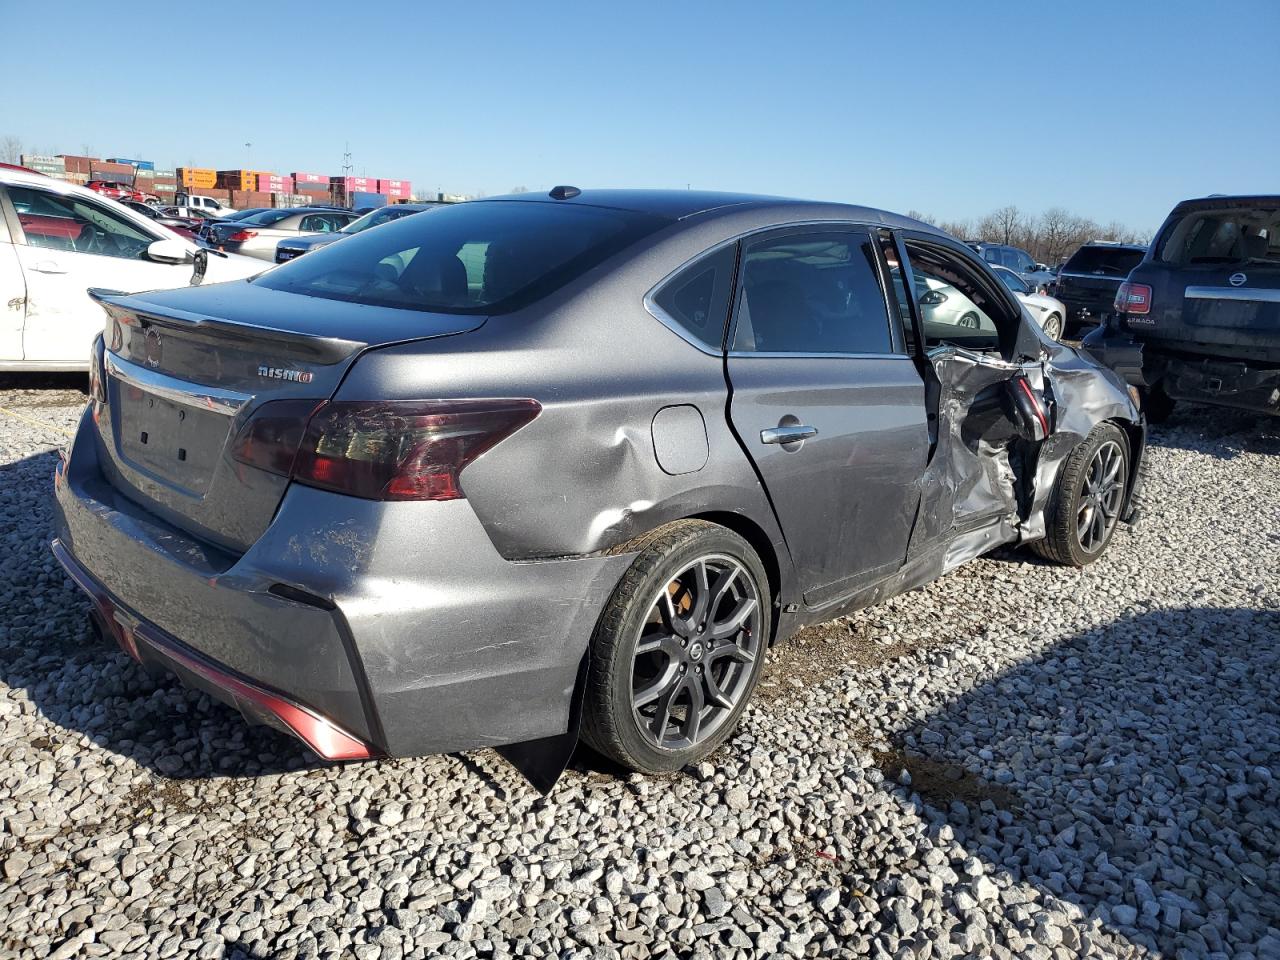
[116,191]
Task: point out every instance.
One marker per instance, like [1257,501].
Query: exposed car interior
[68,223]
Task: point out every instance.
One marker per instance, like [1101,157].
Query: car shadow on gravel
[1133,770]
[1218,432]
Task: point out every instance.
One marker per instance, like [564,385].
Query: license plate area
[175,442]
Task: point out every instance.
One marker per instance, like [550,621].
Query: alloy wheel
[1053,327]
[1099,504]
[696,652]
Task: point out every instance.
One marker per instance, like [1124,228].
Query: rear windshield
[1108,261]
[478,257]
[267,217]
[1231,236]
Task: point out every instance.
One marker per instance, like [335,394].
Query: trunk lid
[183,371]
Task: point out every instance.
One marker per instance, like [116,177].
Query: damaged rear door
[827,404]
[988,397]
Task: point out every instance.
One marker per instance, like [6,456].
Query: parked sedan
[1044,309]
[442,484]
[186,226]
[293,247]
[57,240]
[257,235]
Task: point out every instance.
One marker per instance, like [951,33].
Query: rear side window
[485,257]
[811,293]
[1106,261]
[697,298]
[1230,236]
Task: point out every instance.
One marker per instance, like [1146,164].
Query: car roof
[681,204]
[18,176]
[1114,244]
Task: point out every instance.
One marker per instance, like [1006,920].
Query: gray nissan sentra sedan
[538,467]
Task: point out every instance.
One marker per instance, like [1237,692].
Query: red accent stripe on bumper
[144,641]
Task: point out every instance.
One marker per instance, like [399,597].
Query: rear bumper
[1231,383]
[397,624]
[257,703]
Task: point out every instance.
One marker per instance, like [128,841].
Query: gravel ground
[1018,761]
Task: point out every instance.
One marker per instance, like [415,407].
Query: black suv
[1088,281]
[1199,317]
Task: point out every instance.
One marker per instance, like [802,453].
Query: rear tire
[1084,509]
[678,650]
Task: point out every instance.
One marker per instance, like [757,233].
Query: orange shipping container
[198,178]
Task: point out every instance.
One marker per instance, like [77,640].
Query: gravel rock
[1015,761]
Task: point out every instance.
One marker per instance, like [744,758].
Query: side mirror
[933,298]
[169,251]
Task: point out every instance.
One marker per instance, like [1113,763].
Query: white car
[1050,313]
[257,235]
[57,240]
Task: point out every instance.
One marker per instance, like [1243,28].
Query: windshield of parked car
[478,257]
[1238,235]
[268,217]
[1107,261]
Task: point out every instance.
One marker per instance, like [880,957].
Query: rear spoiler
[131,308]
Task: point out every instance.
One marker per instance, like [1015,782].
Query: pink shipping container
[274,183]
[301,179]
[356,184]
[395,189]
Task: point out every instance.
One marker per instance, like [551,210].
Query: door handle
[792,433]
[47,266]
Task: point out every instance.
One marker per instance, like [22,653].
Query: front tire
[678,650]
[1084,510]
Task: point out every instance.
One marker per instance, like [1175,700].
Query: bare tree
[10,149]
[519,190]
[924,217]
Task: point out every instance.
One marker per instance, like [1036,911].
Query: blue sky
[1114,110]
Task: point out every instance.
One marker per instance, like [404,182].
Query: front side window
[811,294]
[483,257]
[697,298]
[70,223]
[956,308]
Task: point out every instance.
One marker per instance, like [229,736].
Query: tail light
[395,450]
[1133,298]
[240,236]
[97,389]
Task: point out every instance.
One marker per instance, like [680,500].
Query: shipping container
[363,199]
[274,183]
[200,178]
[139,164]
[399,189]
[355,184]
[76,164]
[319,179]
